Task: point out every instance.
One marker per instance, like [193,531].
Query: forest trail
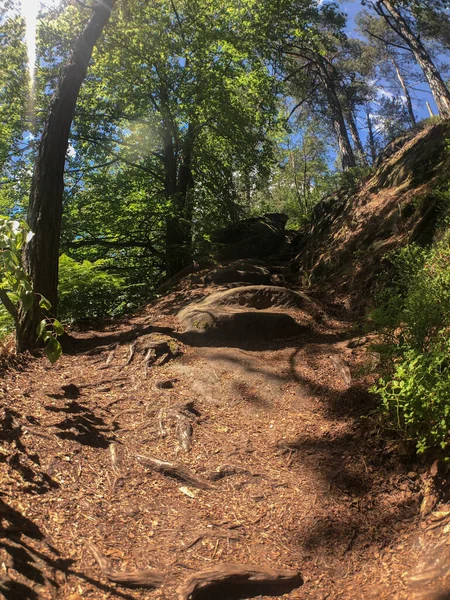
[270,465]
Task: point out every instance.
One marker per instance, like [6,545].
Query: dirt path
[282,471]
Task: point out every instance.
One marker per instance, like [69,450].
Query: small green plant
[16,288]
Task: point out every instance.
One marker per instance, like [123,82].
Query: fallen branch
[176,471]
[237,581]
[146,578]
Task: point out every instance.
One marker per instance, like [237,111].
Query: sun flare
[30,9]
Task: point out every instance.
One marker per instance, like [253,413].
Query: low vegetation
[414,314]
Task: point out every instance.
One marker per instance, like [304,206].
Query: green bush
[414,313]
[416,397]
[88,292]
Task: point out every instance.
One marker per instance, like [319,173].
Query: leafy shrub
[414,313]
[88,292]
[416,397]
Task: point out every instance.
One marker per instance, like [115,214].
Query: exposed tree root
[230,582]
[146,578]
[172,470]
[182,414]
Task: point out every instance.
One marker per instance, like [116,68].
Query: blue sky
[421,93]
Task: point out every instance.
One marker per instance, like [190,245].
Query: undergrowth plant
[16,292]
[86,291]
[414,314]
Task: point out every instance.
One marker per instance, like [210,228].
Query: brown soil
[283,471]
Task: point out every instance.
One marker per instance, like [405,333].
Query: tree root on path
[146,578]
[172,470]
[230,582]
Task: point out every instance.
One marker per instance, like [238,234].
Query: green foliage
[350,181]
[414,312]
[16,291]
[88,292]
[416,397]
[301,178]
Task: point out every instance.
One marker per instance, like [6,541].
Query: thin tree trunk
[371,138]
[402,81]
[438,88]
[41,254]
[355,137]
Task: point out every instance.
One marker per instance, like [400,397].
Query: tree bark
[345,148]
[400,25]
[371,138]
[41,254]
[179,224]
[357,144]
[402,81]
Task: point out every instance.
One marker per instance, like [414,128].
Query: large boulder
[258,312]
[258,237]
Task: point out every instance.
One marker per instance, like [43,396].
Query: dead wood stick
[176,471]
[146,578]
[232,581]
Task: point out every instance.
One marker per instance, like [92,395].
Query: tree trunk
[357,144]
[438,88]
[41,254]
[371,138]
[179,224]
[345,148]
[402,81]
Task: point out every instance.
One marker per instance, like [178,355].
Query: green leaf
[53,349]
[59,329]
[44,303]
[26,297]
[41,328]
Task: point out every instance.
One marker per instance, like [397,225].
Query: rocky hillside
[342,248]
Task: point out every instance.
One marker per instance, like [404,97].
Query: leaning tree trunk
[359,148]
[371,138]
[345,148]
[41,254]
[409,106]
[438,88]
